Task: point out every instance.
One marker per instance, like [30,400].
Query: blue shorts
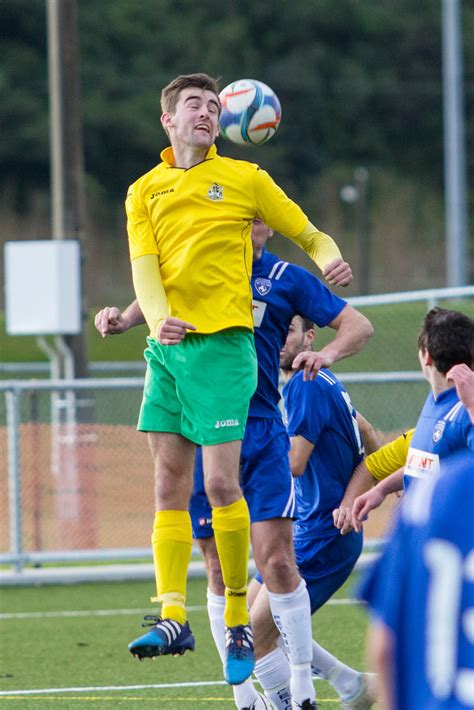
[265,477]
[325,564]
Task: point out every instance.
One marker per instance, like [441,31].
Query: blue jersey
[422,589]
[321,411]
[281,291]
[443,428]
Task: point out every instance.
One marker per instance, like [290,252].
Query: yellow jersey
[198,221]
[389,458]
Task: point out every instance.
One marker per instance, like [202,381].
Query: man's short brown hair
[170,94]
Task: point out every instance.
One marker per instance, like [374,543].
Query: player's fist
[338,272]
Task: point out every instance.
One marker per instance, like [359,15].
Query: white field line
[121,612]
[104,688]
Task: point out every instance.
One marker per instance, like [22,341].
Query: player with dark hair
[446,352]
[189,221]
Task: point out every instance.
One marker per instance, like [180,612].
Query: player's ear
[166,120]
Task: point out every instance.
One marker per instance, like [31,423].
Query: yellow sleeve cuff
[149,290]
[319,246]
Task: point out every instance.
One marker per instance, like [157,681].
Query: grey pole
[55,122]
[457,267]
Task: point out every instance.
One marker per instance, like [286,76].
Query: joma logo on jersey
[438,430]
[226,422]
[161,192]
[215,192]
[263,286]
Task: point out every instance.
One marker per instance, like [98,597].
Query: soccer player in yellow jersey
[189,226]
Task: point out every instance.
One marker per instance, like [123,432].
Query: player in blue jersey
[326,446]
[446,340]
[421,594]
[280,290]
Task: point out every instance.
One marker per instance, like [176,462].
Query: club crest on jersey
[216,192]
[263,286]
[438,430]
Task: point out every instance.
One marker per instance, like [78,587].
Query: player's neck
[287,374]
[439,383]
[185,156]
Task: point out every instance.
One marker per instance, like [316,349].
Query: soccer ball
[251,112]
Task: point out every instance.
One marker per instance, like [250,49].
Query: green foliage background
[359,82]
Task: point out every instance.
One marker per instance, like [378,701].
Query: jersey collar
[167,155]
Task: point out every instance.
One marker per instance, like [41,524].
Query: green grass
[90,651]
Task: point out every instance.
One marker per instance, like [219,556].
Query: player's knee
[278,565]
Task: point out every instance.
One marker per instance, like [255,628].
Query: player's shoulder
[237,164]
[146,180]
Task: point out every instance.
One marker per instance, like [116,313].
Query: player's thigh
[325,564]
[216,376]
[160,408]
[173,458]
[265,474]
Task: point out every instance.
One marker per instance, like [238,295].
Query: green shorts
[200,388]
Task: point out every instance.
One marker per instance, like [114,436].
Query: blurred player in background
[278,289]
[189,222]
[421,593]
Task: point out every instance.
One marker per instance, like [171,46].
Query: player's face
[195,121]
[295,343]
[260,234]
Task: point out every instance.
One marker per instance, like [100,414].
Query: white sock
[244,694]
[215,610]
[344,680]
[292,615]
[273,673]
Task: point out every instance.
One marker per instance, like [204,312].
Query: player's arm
[463,378]
[369,437]
[146,274]
[300,451]
[285,216]
[353,330]
[373,498]
[112,321]
[324,251]
[360,482]
[377,466]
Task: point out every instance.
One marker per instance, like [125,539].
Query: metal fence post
[14,476]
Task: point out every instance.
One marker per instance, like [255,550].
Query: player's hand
[338,272]
[363,504]
[463,378]
[342,518]
[109,321]
[310,362]
[172,331]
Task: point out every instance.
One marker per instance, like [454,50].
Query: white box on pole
[43,287]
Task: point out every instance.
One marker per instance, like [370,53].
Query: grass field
[66,647]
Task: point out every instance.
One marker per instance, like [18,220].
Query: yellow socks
[172,545]
[231,525]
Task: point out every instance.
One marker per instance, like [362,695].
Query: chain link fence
[76,478]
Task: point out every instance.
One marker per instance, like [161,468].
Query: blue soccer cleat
[166,637]
[239,656]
